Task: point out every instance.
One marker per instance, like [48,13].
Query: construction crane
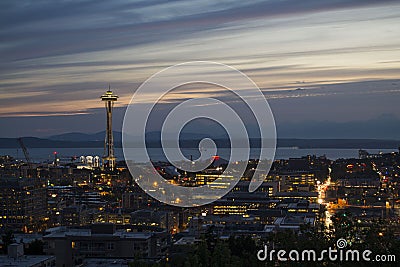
[26,153]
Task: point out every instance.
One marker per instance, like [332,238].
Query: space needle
[109,158]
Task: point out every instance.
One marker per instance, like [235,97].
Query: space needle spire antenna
[109,158]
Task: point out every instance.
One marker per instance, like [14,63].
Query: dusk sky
[58,58]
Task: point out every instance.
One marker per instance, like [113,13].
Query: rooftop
[105,262]
[88,233]
[24,261]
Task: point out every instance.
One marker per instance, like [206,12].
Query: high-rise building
[22,204]
[109,157]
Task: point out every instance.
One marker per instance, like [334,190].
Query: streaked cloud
[58,57]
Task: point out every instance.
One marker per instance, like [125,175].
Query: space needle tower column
[109,158]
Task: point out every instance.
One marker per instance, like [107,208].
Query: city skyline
[199,133]
[343,55]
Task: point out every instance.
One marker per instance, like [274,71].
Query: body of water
[65,154]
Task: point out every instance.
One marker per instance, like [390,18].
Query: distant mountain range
[190,140]
[100,136]
[83,137]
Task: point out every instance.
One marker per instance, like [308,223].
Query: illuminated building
[296,181]
[310,196]
[78,215]
[271,188]
[160,219]
[301,206]
[22,204]
[230,208]
[117,218]
[211,180]
[138,200]
[241,203]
